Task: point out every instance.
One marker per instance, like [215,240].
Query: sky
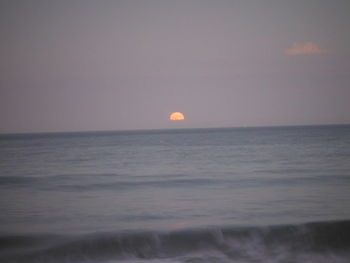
[76,65]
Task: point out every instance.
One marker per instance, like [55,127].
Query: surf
[310,242]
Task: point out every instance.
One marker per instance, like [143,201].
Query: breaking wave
[311,242]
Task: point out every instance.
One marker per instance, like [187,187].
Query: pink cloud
[305,49]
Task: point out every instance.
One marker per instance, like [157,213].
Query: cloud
[305,49]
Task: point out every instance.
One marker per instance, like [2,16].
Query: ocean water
[269,194]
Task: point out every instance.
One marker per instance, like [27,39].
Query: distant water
[279,194]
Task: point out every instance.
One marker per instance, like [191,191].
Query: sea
[254,194]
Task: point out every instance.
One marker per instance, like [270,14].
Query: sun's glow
[176,116]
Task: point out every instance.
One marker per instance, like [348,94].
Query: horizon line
[169,129]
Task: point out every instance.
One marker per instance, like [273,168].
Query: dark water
[202,195]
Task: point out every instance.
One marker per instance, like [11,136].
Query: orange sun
[177,116]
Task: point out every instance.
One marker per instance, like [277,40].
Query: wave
[120,182]
[17,180]
[309,242]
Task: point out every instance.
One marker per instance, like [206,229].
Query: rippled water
[167,181]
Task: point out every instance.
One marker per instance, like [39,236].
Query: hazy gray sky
[73,65]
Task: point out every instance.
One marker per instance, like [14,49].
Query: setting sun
[177,116]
